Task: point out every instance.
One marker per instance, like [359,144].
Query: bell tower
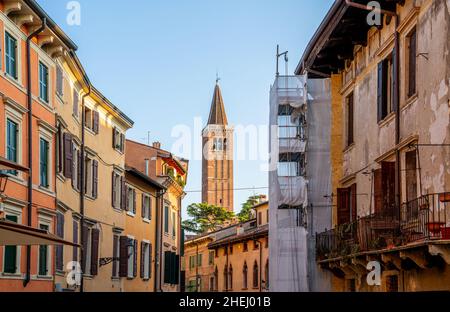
[217,164]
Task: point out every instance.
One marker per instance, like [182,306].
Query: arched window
[224,144]
[225,278]
[230,277]
[267,274]
[244,276]
[255,275]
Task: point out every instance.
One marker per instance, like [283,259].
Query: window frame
[8,33]
[44,142]
[44,82]
[46,222]
[147,200]
[15,212]
[411,91]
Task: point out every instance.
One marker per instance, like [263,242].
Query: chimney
[157,145]
[147,165]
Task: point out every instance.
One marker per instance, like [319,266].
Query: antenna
[286,59]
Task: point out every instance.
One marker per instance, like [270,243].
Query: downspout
[161,241]
[30,144]
[396,94]
[82,184]
[158,242]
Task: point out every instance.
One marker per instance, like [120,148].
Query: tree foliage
[246,212]
[205,218]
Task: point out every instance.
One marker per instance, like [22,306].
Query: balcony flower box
[444,198]
[445,233]
[435,227]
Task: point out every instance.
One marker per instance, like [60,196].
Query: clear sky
[157,61]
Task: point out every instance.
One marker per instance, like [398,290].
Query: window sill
[90,131]
[60,97]
[349,148]
[11,276]
[88,276]
[115,279]
[61,177]
[386,120]
[44,277]
[16,179]
[45,190]
[146,220]
[130,214]
[117,210]
[15,82]
[410,100]
[60,273]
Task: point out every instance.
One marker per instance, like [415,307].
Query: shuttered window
[94,178]
[43,82]
[124,255]
[44,163]
[171,268]
[12,142]
[412,62]
[146,206]
[75,103]
[145,267]
[350,119]
[59,81]
[75,240]
[43,255]
[94,251]
[10,255]
[385,88]
[116,256]
[166,219]
[11,55]
[59,249]
[68,155]
[347,204]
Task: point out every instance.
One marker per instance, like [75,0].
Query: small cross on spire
[217,77]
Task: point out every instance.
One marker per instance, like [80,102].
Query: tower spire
[217,115]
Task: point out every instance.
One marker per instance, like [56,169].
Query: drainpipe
[396,95]
[158,247]
[82,184]
[30,144]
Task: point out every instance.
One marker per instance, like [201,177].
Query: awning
[13,234]
[9,165]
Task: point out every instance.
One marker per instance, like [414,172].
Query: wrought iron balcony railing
[422,219]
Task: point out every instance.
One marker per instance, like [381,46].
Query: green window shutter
[43,255]
[166,219]
[43,82]
[10,253]
[44,163]
[11,55]
[11,144]
[167,267]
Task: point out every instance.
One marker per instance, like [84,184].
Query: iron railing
[424,218]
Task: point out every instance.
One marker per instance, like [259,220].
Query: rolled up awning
[13,234]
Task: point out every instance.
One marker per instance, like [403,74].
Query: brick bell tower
[217,164]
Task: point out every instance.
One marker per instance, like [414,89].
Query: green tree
[246,211]
[205,218]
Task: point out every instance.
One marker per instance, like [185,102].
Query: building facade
[170,172]
[389,151]
[27,137]
[217,156]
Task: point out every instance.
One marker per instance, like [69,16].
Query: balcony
[420,222]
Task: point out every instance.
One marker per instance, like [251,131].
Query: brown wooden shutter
[75,240]
[94,252]
[350,120]
[135,255]
[96,122]
[176,269]
[142,205]
[84,244]
[123,263]
[150,258]
[80,159]
[68,155]
[382,91]
[354,201]
[59,80]
[113,190]
[343,209]
[388,186]
[378,190]
[59,249]
[134,202]
[142,264]
[94,178]
[122,142]
[75,103]
[124,193]
[114,138]
[412,62]
[115,262]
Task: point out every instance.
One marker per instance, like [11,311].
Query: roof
[217,115]
[51,23]
[144,177]
[332,44]
[261,204]
[249,234]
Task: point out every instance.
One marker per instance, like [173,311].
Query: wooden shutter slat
[142,264]
[123,262]
[113,190]
[412,63]
[75,240]
[150,258]
[94,178]
[124,190]
[84,244]
[378,190]
[176,269]
[354,199]
[68,155]
[96,122]
[134,202]
[114,263]
[135,243]
[343,209]
[94,251]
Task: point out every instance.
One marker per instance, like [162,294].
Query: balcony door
[384,188]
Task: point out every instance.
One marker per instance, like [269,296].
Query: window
[43,255]
[255,245]
[145,260]
[412,208]
[43,82]
[171,268]
[351,285]
[225,278]
[11,255]
[118,140]
[245,244]
[199,260]
[146,207]
[385,93]
[412,62]
[11,55]
[255,275]
[174,224]
[44,163]
[59,251]
[12,142]
[166,219]
[259,218]
[117,189]
[392,283]
[91,120]
[116,256]
[346,204]
[87,244]
[75,103]
[350,121]
[230,277]
[384,188]
[132,252]
[245,276]
[131,200]
[291,165]
[211,258]
[192,262]
[91,241]
[218,144]
[76,168]
[91,177]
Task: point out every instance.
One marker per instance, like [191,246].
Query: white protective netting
[299,179]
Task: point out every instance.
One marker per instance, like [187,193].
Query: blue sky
[157,61]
